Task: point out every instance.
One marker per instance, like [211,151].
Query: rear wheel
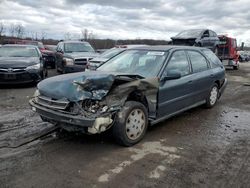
[213,96]
[131,123]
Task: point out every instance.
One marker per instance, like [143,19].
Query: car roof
[19,45]
[165,47]
[74,41]
[129,45]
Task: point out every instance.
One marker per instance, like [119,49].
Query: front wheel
[131,123]
[213,96]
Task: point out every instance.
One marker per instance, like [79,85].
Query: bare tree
[2,29]
[67,36]
[12,30]
[85,34]
[19,30]
[43,35]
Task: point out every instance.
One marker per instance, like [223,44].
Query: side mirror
[59,50]
[171,75]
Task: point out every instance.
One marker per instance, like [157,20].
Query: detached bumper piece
[223,87]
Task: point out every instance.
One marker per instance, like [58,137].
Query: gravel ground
[198,148]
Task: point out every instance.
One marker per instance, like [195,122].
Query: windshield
[78,47]
[141,62]
[34,43]
[18,52]
[190,33]
[111,52]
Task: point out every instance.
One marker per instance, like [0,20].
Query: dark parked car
[197,37]
[50,47]
[243,56]
[94,63]
[138,87]
[48,55]
[73,56]
[21,64]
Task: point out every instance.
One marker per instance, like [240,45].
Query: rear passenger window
[214,60]
[198,61]
[178,62]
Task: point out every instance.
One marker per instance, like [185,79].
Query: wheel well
[217,82]
[139,97]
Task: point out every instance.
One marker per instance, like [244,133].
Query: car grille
[50,58]
[18,76]
[12,70]
[51,103]
[82,61]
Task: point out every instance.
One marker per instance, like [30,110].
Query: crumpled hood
[81,55]
[18,62]
[78,86]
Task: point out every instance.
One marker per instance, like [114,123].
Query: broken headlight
[37,93]
[94,106]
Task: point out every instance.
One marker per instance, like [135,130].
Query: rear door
[203,76]
[175,95]
[213,39]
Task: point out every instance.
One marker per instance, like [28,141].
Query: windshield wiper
[135,76]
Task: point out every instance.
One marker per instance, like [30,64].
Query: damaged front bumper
[90,125]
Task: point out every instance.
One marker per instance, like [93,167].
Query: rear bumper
[57,116]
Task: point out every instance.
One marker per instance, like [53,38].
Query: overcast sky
[128,19]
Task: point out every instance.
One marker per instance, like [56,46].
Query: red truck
[227,51]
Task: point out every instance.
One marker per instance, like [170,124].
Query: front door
[176,94]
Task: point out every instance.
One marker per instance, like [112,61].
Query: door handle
[211,75]
[190,81]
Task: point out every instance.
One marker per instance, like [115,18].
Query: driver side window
[178,63]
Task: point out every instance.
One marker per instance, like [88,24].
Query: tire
[42,74]
[213,96]
[57,70]
[53,66]
[126,132]
[46,73]
[197,44]
[236,67]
